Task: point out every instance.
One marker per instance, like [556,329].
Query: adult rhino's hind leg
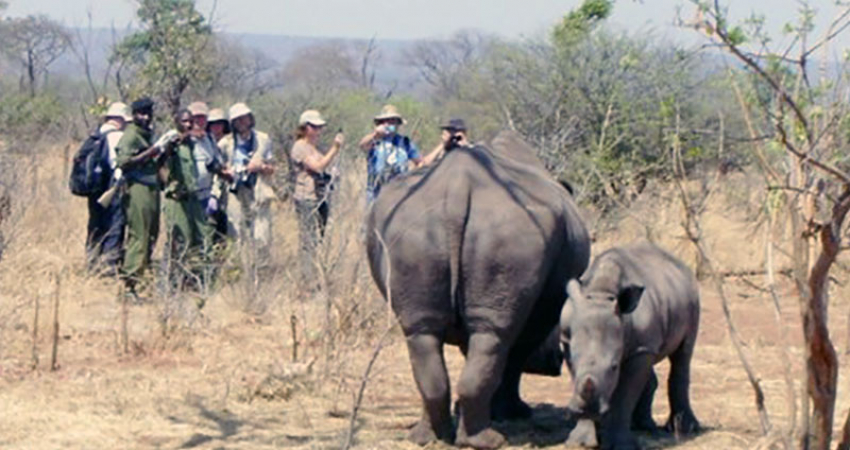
[481,376]
[432,379]
[682,418]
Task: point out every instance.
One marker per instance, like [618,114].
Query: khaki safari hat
[311,117]
[199,109]
[238,110]
[389,112]
[119,109]
[216,115]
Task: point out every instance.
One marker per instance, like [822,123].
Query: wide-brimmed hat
[454,124]
[199,109]
[238,110]
[312,117]
[120,110]
[216,115]
[389,112]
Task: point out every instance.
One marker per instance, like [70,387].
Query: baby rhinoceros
[635,306]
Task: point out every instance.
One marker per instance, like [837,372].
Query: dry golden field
[226,378]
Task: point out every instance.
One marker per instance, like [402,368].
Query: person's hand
[254,166]
[339,140]
[167,138]
[267,169]
[226,173]
[381,130]
[212,206]
[446,137]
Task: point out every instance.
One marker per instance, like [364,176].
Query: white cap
[216,114]
[119,110]
[312,117]
[199,109]
[238,110]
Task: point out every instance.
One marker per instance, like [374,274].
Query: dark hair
[224,122]
[301,132]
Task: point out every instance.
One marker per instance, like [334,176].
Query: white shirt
[205,152]
[112,143]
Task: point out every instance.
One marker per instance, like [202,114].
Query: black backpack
[90,171]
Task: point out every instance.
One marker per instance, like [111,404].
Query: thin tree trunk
[54,355]
[790,393]
[35,334]
[821,358]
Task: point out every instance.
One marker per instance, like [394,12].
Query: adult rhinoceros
[475,251]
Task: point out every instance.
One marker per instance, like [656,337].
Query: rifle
[163,144]
[105,199]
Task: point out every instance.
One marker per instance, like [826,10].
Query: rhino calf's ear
[628,298]
[574,289]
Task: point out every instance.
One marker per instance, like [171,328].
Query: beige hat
[119,109]
[312,117]
[238,110]
[389,112]
[199,109]
[216,114]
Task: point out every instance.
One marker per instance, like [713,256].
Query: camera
[454,141]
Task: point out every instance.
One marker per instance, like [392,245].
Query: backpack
[90,171]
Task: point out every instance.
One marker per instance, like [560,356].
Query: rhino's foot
[645,424]
[682,423]
[486,439]
[423,434]
[583,435]
[623,440]
[511,410]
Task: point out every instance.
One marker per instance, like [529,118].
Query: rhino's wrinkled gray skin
[635,306]
[475,252]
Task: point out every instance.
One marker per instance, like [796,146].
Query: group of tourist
[215,172]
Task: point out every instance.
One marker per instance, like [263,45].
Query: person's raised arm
[369,140]
[317,164]
[434,155]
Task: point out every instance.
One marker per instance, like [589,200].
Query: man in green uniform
[189,232]
[137,159]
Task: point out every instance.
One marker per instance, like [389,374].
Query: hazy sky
[409,19]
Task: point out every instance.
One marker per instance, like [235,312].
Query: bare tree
[441,63]
[34,42]
[804,117]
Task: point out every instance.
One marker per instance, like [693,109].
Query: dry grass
[227,379]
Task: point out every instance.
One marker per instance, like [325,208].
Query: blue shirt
[388,158]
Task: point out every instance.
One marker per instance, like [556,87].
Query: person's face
[199,125]
[242,124]
[314,131]
[200,121]
[217,129]
[184,122]
[391,125]
[142,118]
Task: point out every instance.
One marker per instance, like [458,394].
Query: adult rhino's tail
[456,204]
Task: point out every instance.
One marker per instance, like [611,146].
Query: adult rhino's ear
[628,298]
[574,289]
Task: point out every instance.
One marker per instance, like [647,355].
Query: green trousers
[141,204]
[190,236]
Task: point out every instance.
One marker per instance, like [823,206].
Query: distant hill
[392,73]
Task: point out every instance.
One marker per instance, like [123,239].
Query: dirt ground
[226,379]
